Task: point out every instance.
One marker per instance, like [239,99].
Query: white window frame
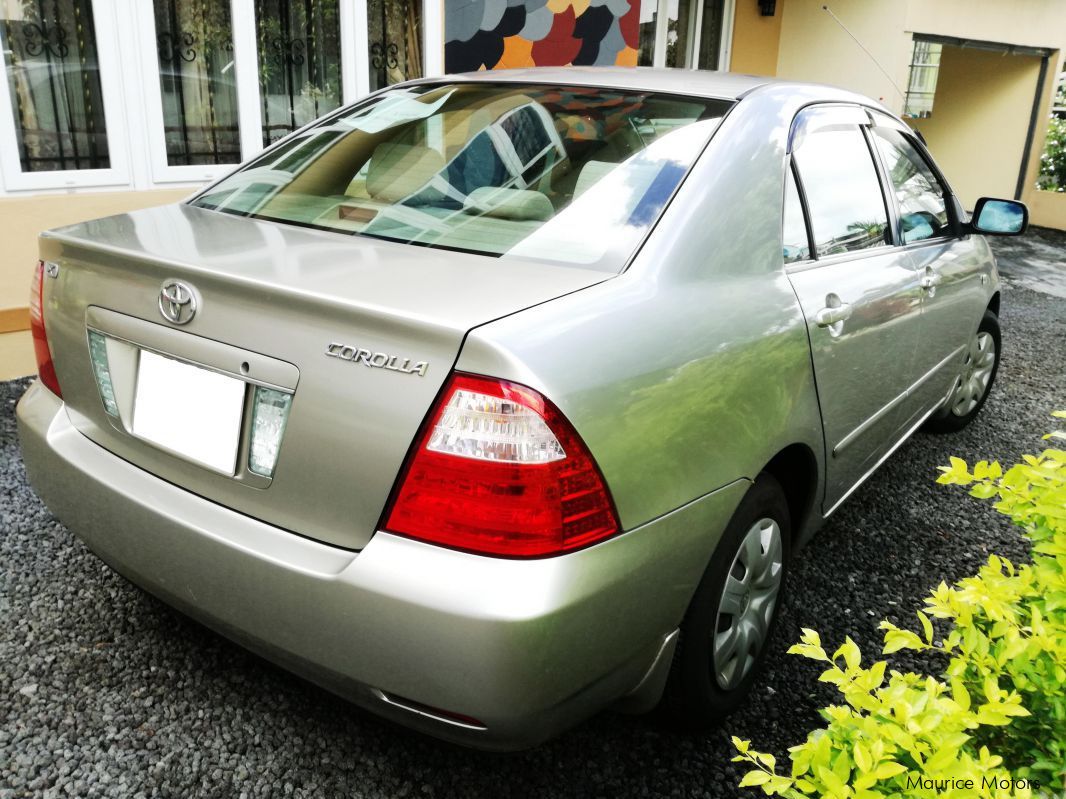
[107,51]
[246,76]
[692,48]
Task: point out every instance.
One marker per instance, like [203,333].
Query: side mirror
[999,217]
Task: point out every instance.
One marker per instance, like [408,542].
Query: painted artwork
[503,34]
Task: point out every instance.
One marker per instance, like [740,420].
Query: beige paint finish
[979,125]
[980,118]
[815,48]
[22,219]
[756,40]
[1033,23]
[16,355]
[1047,208]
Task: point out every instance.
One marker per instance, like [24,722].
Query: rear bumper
[525,647]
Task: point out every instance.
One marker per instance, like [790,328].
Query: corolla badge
[376,360]
[177,302]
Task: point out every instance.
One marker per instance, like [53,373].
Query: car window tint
[922,208]
[573,175]
[794,244]
[843,191]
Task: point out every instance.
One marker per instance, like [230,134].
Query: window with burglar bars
[921,87]
[54,80]
[194,41]
[299,47]
[395,41]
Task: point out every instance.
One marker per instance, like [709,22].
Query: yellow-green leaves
[897,639]
[810,646]
[1003,695]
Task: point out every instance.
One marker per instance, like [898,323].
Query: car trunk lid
[361,333]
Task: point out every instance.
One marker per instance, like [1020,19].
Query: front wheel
[975,382]
[732,615]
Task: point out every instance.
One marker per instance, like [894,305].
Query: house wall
[980,119]
[756,39]
[984,100]
[21,220]
[814,47]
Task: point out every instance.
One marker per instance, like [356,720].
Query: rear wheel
[974,384]
[733,613]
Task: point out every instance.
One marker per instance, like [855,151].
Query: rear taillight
[46,370]
[498,470]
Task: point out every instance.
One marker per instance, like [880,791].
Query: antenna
[877,63]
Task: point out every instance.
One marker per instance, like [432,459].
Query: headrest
[520,204]
[400,170]
[592,172]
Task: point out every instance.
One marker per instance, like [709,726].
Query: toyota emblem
[177,302]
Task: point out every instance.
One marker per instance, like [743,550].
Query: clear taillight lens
[486,427]
[102,371]
[270,412]
[46,369]
[498,470]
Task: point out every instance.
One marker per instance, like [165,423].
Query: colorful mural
[502,34]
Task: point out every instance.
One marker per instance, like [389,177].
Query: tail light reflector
[46,370]
[498,470]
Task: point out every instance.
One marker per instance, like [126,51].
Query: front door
[949,267]
[859,294]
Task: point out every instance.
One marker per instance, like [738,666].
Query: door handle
[930,280]
[833,314]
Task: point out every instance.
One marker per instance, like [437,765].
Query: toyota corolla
[495,400]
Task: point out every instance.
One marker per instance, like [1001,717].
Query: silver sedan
[495,400]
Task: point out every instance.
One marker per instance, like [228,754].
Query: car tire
[975,383]
[708,680]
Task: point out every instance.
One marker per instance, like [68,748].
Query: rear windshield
[567,174]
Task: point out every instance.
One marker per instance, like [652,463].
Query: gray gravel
[105,691]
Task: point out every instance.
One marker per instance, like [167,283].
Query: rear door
[950,267]
[858,290]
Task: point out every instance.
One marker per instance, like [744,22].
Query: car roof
[701,83]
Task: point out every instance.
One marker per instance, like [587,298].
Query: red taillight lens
[46,370]
[498,470]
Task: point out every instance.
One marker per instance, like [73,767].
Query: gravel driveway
[105,691]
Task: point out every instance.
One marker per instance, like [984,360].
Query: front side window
[194,42]
[843,191]
[923,209]
[54,80]
[575,175]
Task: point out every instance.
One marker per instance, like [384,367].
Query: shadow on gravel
[106,692]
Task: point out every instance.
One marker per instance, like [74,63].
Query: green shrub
[994,725]
[1053,161]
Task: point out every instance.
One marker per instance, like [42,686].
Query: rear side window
[794,244]
[843,191]
[923,210]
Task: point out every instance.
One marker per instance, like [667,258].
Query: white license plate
[192,412]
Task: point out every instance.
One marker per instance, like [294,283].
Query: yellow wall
[980,119]
[983,101]
[23,218]
[16,355]
[1047,208]
[755,39]
[1033,23]
[815,48]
